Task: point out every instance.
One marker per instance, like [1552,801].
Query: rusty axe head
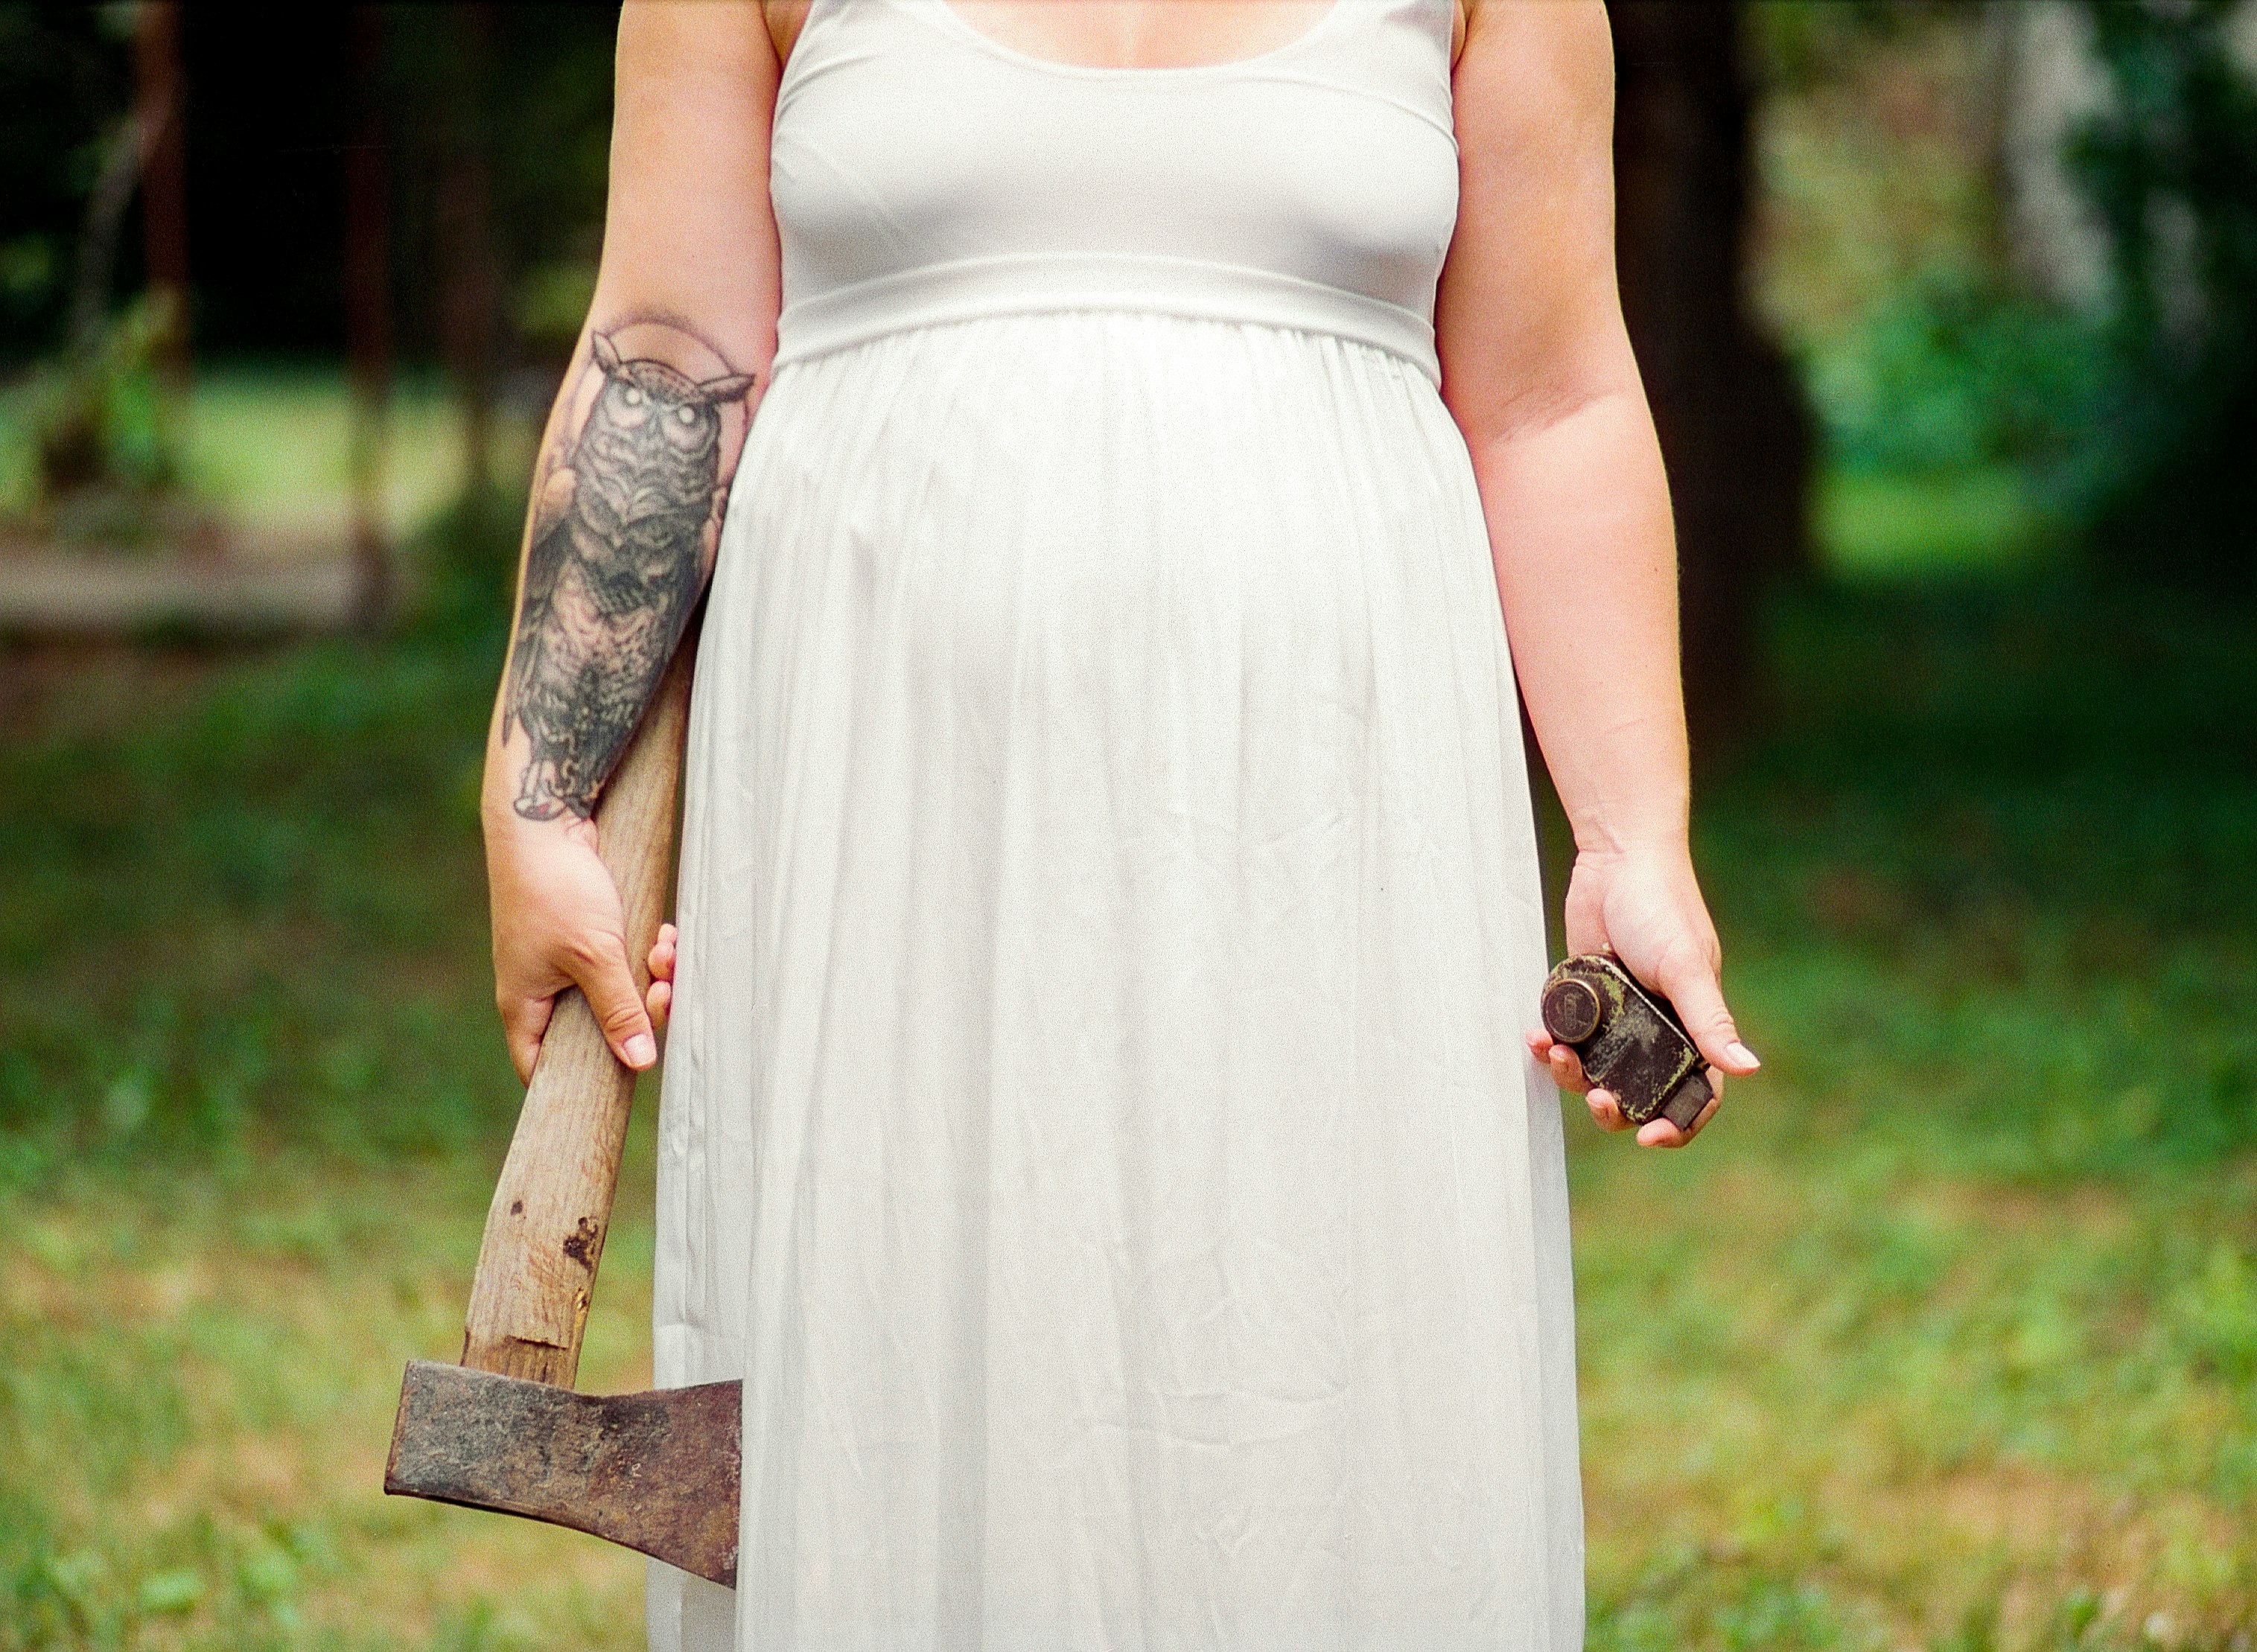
[655,1472]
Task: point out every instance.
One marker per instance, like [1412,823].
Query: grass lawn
[274,447]
[1944,1338]
[1978,524]
[269,448]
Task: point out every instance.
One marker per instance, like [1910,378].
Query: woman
[1099,1125]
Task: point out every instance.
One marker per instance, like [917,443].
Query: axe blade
[656,1472]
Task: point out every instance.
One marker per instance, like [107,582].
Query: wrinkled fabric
[1095,1124]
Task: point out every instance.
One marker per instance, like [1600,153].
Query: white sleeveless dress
[1096,1123]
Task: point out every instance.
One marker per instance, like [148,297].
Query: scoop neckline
[958,24]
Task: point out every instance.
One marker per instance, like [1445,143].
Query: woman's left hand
[658,999]
[1644,906]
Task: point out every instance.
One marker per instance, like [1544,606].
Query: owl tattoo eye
[611,577]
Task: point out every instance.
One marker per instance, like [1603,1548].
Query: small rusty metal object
[1631,1042]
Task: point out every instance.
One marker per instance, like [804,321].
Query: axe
[504,1430]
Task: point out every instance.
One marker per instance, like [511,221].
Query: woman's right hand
[558,924]
[1645,907]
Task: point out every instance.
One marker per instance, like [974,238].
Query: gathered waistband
[1050,282]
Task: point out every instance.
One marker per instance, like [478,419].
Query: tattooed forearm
[612,571]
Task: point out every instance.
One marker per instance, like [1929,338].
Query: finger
[1699,1000]
[523,1021]
[600,972]
[658,1001]
[1659,1133]
[1544,1046]
[1568,1069]
[1606,1110]
[663,952]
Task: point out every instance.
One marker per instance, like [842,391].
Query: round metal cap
[1571,1011]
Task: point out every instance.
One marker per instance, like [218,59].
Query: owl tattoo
[612,573]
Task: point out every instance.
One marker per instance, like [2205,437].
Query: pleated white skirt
[1095,1123]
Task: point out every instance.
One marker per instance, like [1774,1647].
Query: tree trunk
[470,304]
[158,103]
[368,316]
[1735,429]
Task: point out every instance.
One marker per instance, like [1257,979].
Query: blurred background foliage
[1945,1337]
[1956,310]
[2169,161]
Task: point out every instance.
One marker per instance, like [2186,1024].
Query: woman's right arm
[634,468]
[1537,368]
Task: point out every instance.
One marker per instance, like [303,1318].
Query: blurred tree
[507,102]
[470,306]
[368,312]
[160,101]
[2170,162]
[268,136]
[1734,426]
[453,108]
[1923,257]
[102,416]
[504,118]
[65,81]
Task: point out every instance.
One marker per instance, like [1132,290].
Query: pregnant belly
[1107,492]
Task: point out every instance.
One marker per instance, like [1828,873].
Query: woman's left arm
[1537,371]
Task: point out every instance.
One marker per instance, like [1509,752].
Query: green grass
[1951,1331]
[251,1105]
[197,1395]
[1982,524]
[1944,1338]
[269,448]
[275,447]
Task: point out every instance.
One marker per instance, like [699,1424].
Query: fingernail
[642,1049]
[1740,1052]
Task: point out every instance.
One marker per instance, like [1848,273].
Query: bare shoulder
[659,39]
[1526,317]
[1536,62]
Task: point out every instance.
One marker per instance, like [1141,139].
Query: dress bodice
[924,172]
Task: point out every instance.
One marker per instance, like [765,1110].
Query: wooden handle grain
[553,1206]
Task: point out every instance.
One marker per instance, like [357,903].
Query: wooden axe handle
[553,1206]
